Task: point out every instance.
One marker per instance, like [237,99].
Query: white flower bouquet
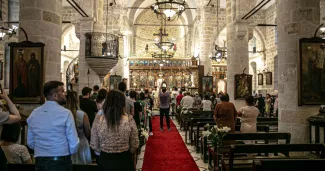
[216,134]
[144,133]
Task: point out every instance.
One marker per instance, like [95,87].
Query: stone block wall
[271,46]
[69,14]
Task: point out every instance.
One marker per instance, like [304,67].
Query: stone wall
[69,14]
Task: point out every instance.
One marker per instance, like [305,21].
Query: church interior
[272,50]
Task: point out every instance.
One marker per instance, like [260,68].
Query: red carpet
[166,151]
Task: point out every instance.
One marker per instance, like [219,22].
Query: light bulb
[169,13]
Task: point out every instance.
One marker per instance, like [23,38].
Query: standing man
[52,132]
[95,93]
[34,76]
[87,105]
[129,106]
[163,102]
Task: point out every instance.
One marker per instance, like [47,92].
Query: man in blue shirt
[52,132]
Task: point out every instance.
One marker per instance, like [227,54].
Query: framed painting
[268,78]
[243,85]
[207,84]
[26,72]
[114,80]
[260,79]
[311,72]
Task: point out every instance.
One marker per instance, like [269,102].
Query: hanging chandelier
[220,54]
[169,10]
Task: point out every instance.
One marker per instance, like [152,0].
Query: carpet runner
[166,151]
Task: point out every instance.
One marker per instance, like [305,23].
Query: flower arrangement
[149,112]
[144,133]
[215,134]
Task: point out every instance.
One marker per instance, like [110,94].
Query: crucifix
[161,34]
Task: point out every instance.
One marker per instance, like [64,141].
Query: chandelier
[169,10]
[220,54]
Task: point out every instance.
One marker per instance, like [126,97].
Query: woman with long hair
[114,135]
[83,156]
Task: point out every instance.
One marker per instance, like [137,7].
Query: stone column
[295,20]
[42,22]
[207,18]
[237,50]
[85,25]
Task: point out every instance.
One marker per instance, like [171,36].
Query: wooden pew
[266,137]
[31,167]
[289,165]
[194,122]
[246,161]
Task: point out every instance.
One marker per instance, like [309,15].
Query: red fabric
[166,151]
[179,98]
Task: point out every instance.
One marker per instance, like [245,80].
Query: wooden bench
[266,137]
[245,162]
[31,167]
[289,165]
[195,114]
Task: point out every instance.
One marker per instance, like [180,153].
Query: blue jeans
[46,164]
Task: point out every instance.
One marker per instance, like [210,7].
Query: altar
[148,73]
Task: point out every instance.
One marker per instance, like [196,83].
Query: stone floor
[196,156]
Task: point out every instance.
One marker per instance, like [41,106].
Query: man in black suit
[87,105]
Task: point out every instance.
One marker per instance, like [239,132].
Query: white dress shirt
[52,131]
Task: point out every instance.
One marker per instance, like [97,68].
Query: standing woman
[83,156]
[248,117]
[164,101]
[268,105]
[225,113]
[115,135]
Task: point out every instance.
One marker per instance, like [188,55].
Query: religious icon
[260,79]
[26,72]
[207,84]
[243,85]
[114,80]
[312,72]
[268,76]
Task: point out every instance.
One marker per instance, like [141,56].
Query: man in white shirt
[52,131]
[187,101]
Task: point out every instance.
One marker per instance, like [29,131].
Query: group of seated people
[64,131]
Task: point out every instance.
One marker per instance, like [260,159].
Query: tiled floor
[196,156]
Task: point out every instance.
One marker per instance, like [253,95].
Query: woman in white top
[206,103]
[248,117]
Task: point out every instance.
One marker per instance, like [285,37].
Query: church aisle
[166,151]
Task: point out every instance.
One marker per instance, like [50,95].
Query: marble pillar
[295,20]
[42,22]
